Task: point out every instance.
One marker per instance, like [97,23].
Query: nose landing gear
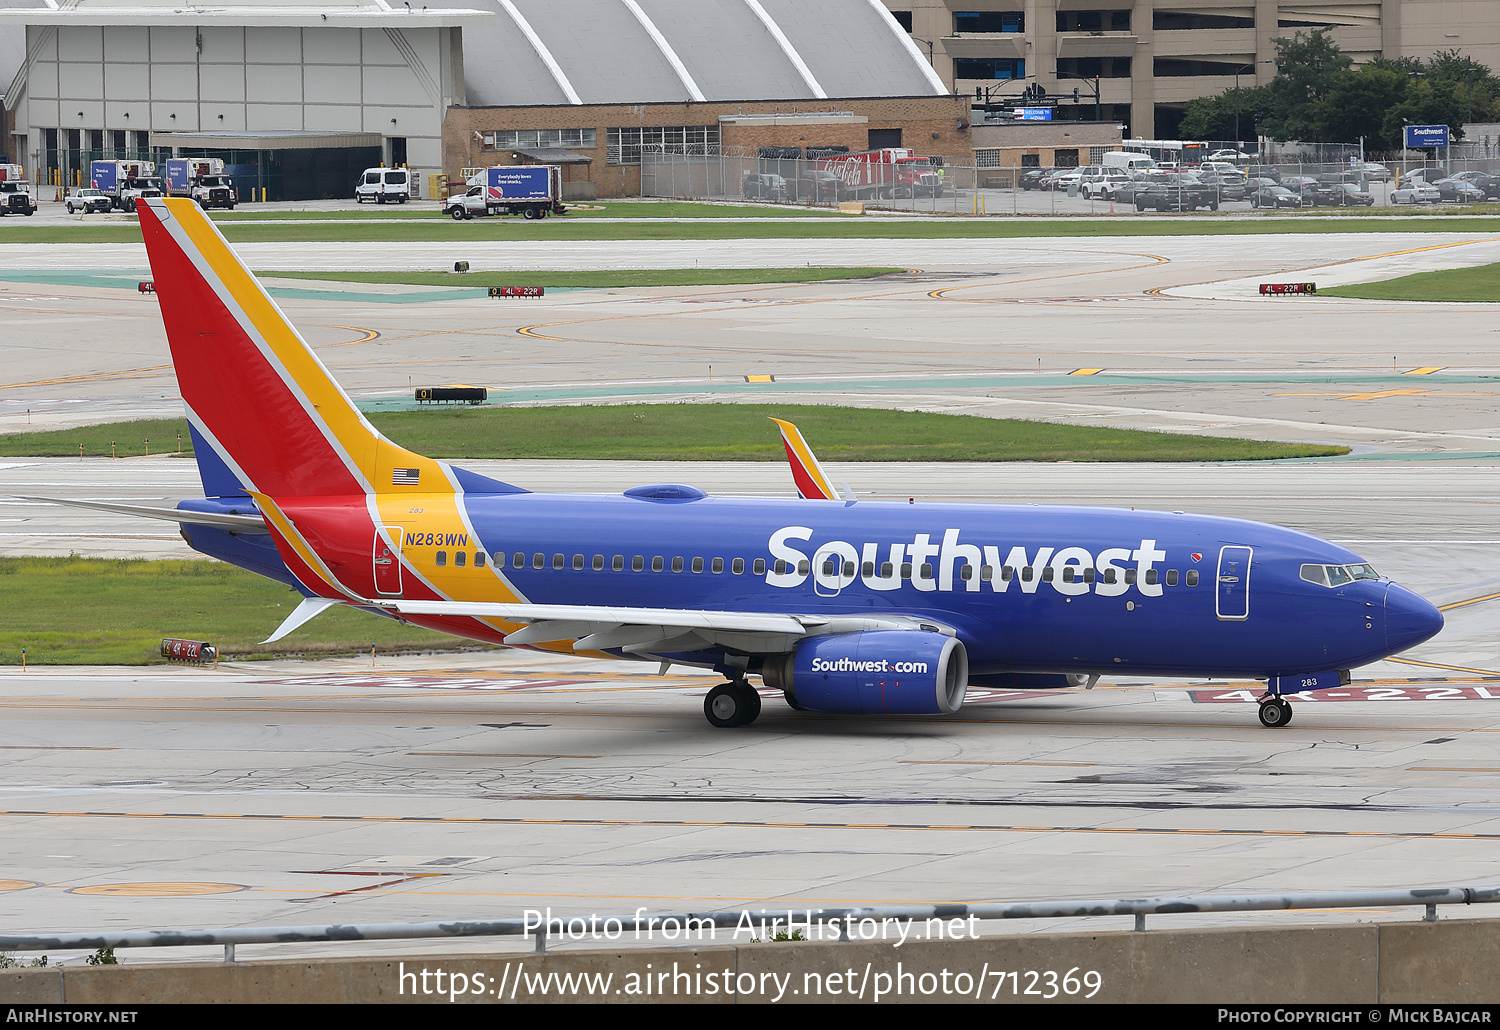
[1275,711]
[735,703]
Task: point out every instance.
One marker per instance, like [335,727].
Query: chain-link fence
[886,181]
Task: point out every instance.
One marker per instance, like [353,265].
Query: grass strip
[1479,285]
[600,279]
[501,230]
[715,432]
[102,611]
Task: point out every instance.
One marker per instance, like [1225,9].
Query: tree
[1357,104]
[1307,65]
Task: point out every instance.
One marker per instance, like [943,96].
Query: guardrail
[840,923]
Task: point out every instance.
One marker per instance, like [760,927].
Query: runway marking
[1189,831]
[1450,693]
[371,888]
[1158,291]
[48,747]
[760,379]
[1085,371]
[17,885]
[1465,603]
[370,334]
[1425,370]
[92,377]
[1487,674]
[157,890]
[491,754]
[939,761]
[1452,768]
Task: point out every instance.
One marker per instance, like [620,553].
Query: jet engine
[877,672]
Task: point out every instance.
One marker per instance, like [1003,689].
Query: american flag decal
[405,477]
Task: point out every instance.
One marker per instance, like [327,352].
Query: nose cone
[1409,619]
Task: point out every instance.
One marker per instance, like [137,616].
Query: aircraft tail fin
[270,417]
[812,482]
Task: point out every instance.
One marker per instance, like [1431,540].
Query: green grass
[490,229]
[719,432]
[100,611]
[1479,285]
[605,279]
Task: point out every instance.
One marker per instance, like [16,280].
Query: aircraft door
[1232,596]
[387,558]
[835,566]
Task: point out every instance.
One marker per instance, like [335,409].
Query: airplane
[846,606]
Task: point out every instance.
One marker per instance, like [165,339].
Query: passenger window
[1007,573]
[737,566]
[677,564]
[1192,577]
[906,570]
[657,564]
[848,570]
[1088,575]
[479,559]
[557,561]
[987,573]
[1171,577]
[1109,576]
[803,566]
[442,558]
[966,573]
[458,559]
[1151,577]
[577,563]
[780,566]
[1026,574]
[925,572]
[697,564]
[637,564]
[1067,574]
[1047,574]
[718,566]
[886,570]
[618,563]
[759,568]
[538,560]
[867,569]
[598,563]
[1129,576]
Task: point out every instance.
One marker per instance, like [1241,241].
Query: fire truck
[15,192]
[894,172]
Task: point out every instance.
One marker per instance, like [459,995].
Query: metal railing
[832,923]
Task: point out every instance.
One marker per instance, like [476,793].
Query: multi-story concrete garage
[299,97]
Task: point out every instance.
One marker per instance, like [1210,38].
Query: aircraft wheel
[1275,712]
[732,704]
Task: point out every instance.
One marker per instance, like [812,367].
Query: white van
[1128,161]
[382,185]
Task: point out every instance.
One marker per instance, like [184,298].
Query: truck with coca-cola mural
[886,174]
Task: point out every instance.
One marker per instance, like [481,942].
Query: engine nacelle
[878,672]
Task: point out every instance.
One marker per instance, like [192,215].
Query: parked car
[1459,191]
[1227,186]
[1264,172]
[87,200]
[758,186]
[1374,172]
[1181,194]
[1343,194]
[1228,155]
[1031,179]
[818,186]
[383,185]
[1415,193]
[1304,186]
[1104,185]
[1062,178]
[1275,197]
[1486,183]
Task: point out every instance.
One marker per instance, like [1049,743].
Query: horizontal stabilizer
[238,523]
[301,616]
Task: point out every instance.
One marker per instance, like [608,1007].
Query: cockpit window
[1337,575]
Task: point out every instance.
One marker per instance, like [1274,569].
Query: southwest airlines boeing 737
[845,606]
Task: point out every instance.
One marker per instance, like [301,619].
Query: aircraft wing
[655,630]
[238,523]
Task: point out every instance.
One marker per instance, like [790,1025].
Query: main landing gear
[735,703]
[1275,711]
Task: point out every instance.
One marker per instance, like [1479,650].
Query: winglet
[811,481]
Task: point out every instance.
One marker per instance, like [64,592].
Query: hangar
[295,95]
